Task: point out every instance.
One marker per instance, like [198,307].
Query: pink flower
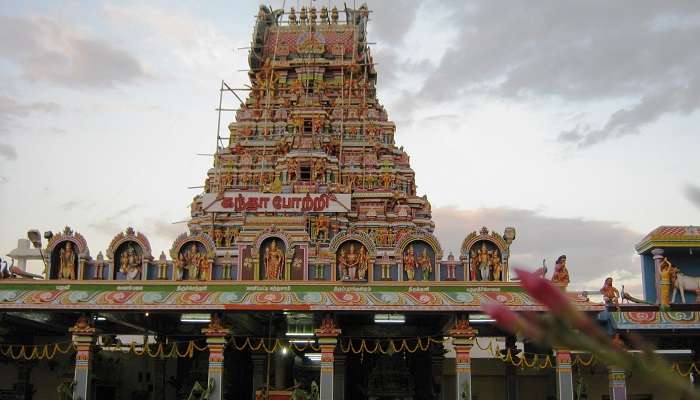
[510,321]
[544,292]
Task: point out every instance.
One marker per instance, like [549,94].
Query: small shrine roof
[670,236]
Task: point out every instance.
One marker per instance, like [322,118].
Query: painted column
[83,339]
[511,371]
[327,336]
[438,377]
[658,258]
[258,370]
[216,341]
[462,340]
[565,381]
[280,371]
[617,384]
[339,374]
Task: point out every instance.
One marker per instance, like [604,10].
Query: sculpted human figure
[274,261]
[352,261]
[474,274]
[342,265]
[292,16]
[67,262]
[179,266]
[425,265]
[130,264]
[292,168]
[409,263]
[484,263]
[667,276]
[319,170]
[561,274]
[496,265]
[363,264]
[192,262]
[610,294]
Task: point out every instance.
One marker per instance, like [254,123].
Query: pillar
[83,339]
[511,371]
[327,336]
[280,371]
[462,340]
[565,380]
[216,341]
[438,376]
[658,258]
[339,374]
[258,370]
[617,384]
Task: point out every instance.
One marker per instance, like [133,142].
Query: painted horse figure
[681,283]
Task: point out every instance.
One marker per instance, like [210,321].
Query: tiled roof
[670,236]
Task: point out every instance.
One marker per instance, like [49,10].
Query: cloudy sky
[575,122]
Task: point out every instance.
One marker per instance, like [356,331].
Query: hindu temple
[309,268]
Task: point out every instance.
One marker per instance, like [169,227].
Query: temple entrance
[398,376]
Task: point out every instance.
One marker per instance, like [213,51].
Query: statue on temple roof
[334,15]
[343,265]
[130,263]
[425,265]
[561,273]
[667,277]
[292,16]
[67,262]
[610,294]
[496,265]
[302,16]
[409,263]
[484,263]
[363,264]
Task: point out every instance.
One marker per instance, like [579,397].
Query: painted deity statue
[610,294]
[409,263]
[425,265]
[667,275]
[352,261]
[67,262]
[363,264]
[193,262]
[274,261]
[484,263]
[343,265]
[561,274]
[473,266]
[130,264]
[496,265]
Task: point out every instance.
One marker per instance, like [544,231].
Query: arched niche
[353,261]
[418,260]
[343,241]
[272,259]
[68,255]
[485,255]
[192,262]
[64,260]
[193,257]
[129,263]
[130,253]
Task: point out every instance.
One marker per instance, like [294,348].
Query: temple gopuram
[309,269]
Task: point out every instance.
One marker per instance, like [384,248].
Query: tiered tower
[312,184]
